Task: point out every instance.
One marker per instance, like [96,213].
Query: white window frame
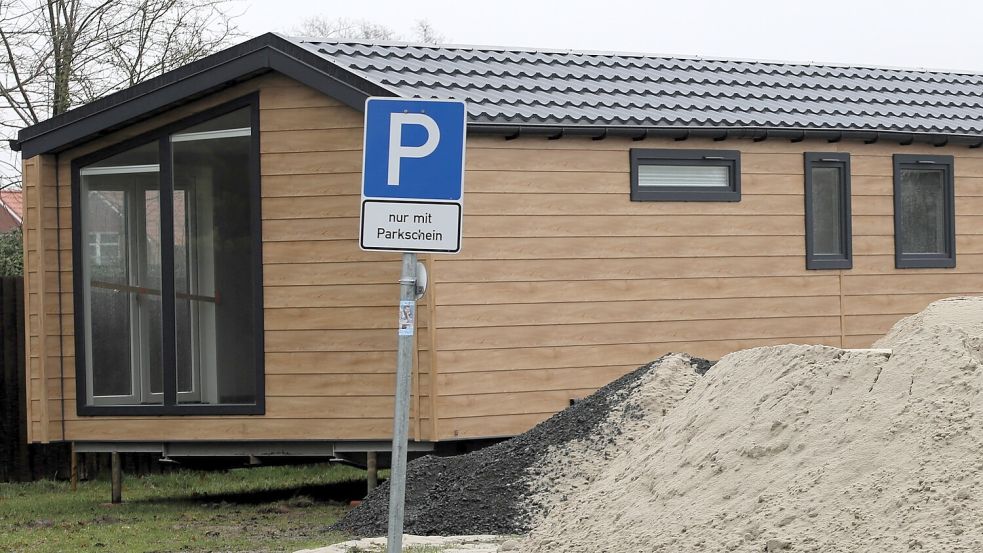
[135,216]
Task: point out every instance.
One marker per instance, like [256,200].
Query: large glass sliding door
[170,275]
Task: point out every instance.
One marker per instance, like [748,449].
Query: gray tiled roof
[568,88]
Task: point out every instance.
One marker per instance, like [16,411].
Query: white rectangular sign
[411,226]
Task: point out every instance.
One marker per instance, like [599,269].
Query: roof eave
[268,52]
[870,136]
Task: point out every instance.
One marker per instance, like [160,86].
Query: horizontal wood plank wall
[330,309]
[564,284]
[41,278]
[32,282]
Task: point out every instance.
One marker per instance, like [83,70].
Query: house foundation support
[371,470]
[117,478]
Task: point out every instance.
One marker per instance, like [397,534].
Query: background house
[11,210]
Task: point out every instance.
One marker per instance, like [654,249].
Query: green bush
[12,253]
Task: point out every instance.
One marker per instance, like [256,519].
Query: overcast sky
[936,34]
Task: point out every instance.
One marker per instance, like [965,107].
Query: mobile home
[195,286]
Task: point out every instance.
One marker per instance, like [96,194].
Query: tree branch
[17,80]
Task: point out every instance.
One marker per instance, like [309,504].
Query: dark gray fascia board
[722,133]
[268,52]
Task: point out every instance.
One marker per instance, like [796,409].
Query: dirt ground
[426,544]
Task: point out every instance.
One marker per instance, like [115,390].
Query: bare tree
[9,171]
[56,54]
[360,29]
[363,29]
[424,32]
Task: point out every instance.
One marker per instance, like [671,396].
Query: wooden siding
[563,283]
[44,341]
[330,309]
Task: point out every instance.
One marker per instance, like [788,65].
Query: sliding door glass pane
[183,307]
[150,303]
[110,308]
[827,210]
[923,211]
[213,261]
[121,271]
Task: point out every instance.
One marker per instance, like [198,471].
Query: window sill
[917,262]
[169,410]
[829,263]
[725,195]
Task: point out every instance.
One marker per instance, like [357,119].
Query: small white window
[685,175]
[662,176]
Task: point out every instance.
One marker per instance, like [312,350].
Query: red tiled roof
[13,201]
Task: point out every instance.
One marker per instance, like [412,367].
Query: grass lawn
[265,509]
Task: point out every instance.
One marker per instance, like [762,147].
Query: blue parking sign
[413,175]
[414,149]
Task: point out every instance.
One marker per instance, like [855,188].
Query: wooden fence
[20,461]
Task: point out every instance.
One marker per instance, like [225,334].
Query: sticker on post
[407,317]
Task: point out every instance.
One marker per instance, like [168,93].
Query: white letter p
[396,149]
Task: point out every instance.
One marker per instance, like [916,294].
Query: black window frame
[818,261]
[658,156]
[946,260]
[161,135]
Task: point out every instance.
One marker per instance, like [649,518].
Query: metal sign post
[401,419]
[412,201]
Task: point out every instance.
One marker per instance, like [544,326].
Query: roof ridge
[629,54]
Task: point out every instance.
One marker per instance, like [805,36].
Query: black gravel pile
[485,492]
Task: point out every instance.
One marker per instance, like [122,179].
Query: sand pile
[569,466]
[801,448]
[501,489]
